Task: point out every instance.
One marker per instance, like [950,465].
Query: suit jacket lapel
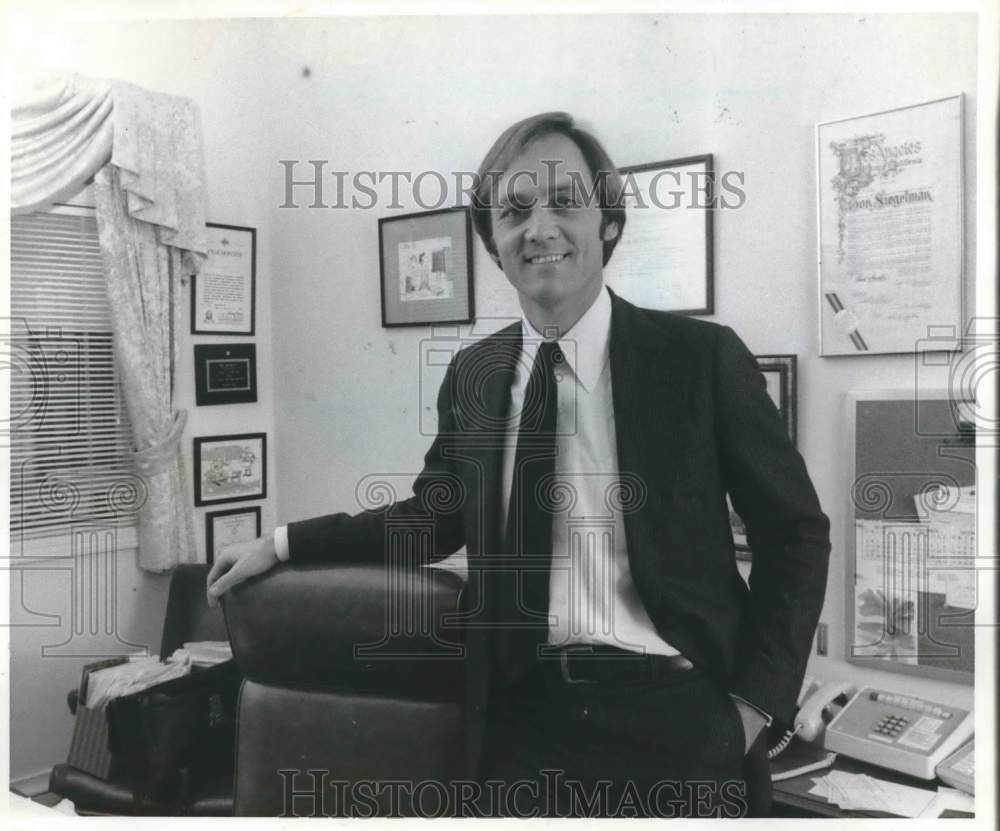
[649,379]
[488,382]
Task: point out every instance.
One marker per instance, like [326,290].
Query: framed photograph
[782,385]
[664,259]
[225,373]
[913,575]
[223,293]
[230,468]
[425,265]
[891,236]
[224,528]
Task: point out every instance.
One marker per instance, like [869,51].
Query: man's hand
[753,723]
[238,562]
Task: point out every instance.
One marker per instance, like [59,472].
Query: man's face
[547,233]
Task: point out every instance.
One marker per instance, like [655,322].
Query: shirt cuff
[767,718]
[281,542]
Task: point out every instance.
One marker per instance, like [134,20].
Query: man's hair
[607,180]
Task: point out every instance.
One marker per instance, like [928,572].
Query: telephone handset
[815,702]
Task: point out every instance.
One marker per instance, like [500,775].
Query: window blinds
[70,436]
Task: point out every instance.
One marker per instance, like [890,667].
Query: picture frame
[890,215]
[912,571]
[426,268]
[225,373]
[230,526]
[223,293]
[665,258]
[230,468]
[781,376]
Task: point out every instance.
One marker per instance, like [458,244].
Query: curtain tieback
[156,458]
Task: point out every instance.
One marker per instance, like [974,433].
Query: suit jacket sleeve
[438,497]
[787,531]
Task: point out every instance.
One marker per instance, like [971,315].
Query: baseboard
[31,785]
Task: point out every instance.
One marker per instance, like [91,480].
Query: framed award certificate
[224,528]
[222,294]
[891,233]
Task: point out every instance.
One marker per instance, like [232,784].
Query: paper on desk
[949,799]
[859,792]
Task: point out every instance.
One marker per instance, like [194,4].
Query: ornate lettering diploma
[891,230]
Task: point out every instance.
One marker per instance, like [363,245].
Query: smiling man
[621,666]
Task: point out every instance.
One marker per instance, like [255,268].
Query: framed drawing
[224,528]
[891,231]
[912,569]
[223,293]
[425,267]
[225,373]
[664,260]
[780,375]
[230,468]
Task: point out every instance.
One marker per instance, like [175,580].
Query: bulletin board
[912,574]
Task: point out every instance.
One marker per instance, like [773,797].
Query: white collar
[585,345]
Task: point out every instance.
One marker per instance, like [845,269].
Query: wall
[351,398]
[175,59]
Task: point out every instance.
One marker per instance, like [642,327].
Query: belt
[600,664]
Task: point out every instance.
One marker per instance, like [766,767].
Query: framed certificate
[425,265]
[664,259]
[230,468]
[222,294]
[891,230]
[224,528]
[225,373]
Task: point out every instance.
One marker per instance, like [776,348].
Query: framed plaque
[779,373]
[223,293]
[225,373]
[664,259]
[230,468]
[425,265]
[891,230]
[224,528]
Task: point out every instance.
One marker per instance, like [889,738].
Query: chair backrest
[188,616]
[350,676]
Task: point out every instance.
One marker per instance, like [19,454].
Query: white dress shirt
[592,597]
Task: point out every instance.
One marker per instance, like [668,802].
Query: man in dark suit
[618,664]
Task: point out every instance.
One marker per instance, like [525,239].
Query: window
[70,437]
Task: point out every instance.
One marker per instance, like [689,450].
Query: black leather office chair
[188,618]
[314,712]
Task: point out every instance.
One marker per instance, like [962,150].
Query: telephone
[815,710]
[901,732]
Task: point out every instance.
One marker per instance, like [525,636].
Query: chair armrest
[349,626]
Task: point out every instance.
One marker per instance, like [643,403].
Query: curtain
[144,151]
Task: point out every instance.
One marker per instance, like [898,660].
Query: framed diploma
[664,259]
[224,528]
[779,373]
[890,229]
[222,294]
[230,468]
[425,265]
[225,373]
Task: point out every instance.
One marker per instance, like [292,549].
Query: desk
[792,797]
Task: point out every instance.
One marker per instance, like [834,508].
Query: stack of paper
[139,673]
[859,792]
[206,653]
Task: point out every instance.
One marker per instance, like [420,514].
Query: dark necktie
[528,539]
